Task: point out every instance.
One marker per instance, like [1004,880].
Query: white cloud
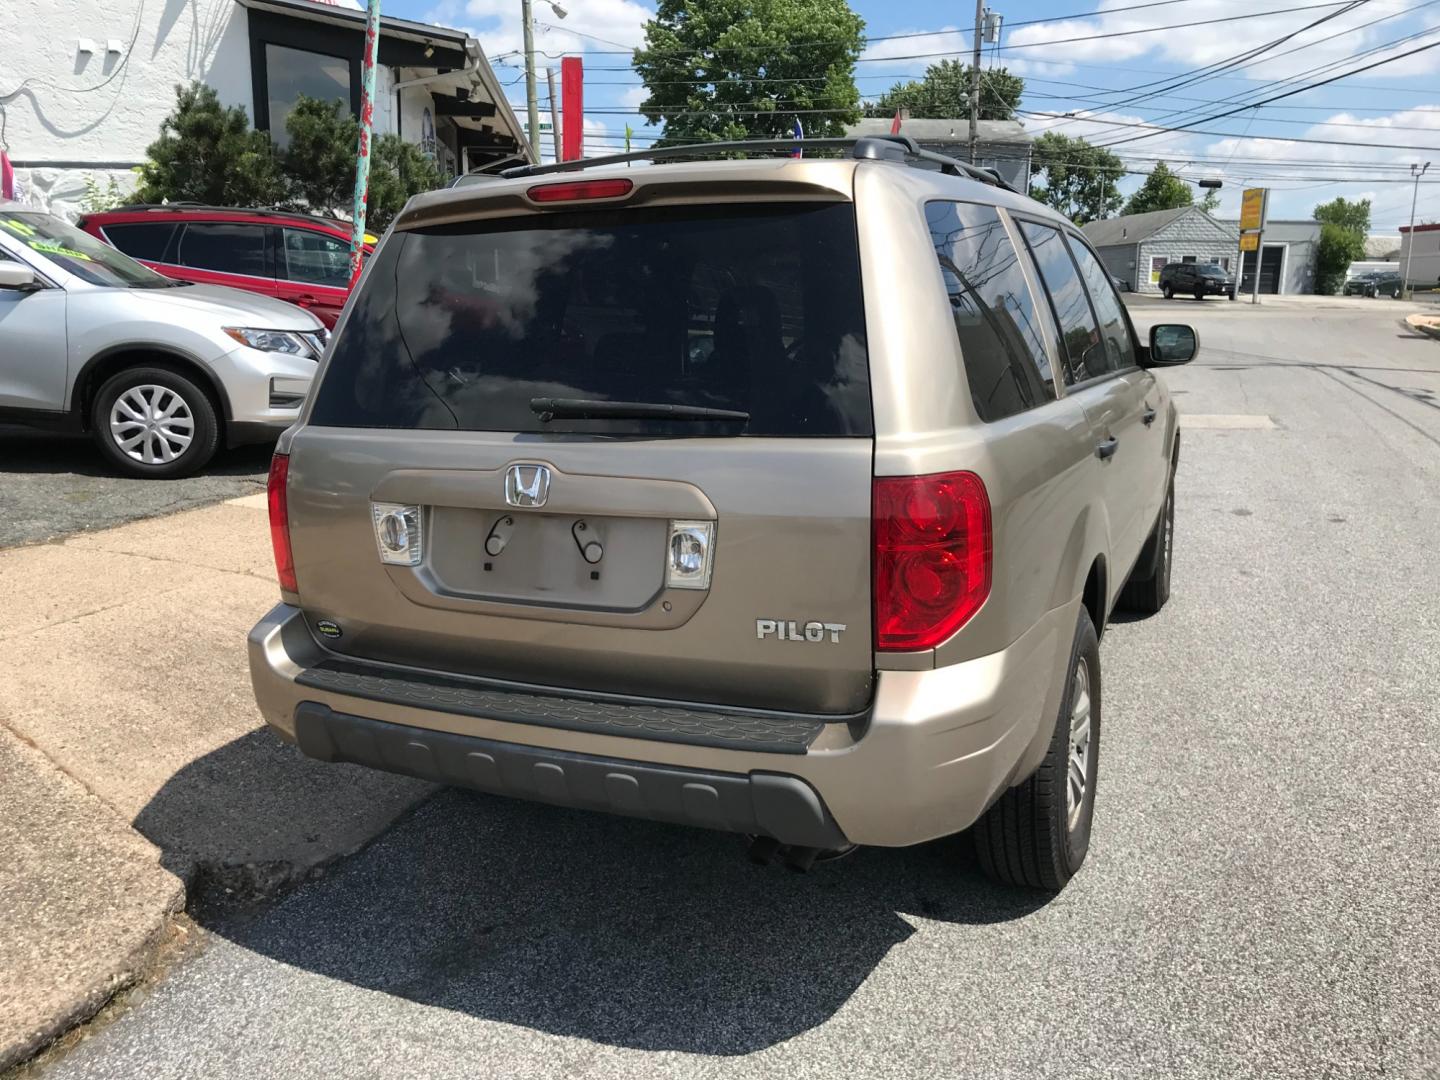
[496,23]
[633,96]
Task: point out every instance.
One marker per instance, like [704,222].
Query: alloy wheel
[152,424]
[1078,771]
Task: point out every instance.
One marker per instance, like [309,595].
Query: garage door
[1270,262]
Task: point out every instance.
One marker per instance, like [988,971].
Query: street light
[532,104]
[1416,171]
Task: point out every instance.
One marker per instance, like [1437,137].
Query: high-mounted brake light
[280,521]
[579,190]
[933,554]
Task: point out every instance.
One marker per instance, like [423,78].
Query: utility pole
[1416,171]
[532,106]
[362,149]
[975,81]
[554,114]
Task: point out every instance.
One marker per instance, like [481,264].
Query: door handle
[306,300]
[1106,450]
[1149,416]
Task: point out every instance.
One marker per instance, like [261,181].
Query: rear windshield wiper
[586,409]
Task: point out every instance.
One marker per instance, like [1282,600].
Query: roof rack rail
[899,148]
[185,205]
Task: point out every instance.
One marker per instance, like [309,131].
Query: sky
[1118,75]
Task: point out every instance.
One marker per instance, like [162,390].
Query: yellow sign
[1250,241]
[1252,210]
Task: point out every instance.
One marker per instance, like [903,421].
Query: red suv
[296,257]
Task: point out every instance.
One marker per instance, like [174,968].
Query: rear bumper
[762,803]
[936,749]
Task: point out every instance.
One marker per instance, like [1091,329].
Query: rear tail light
[933,557]
[397,533]
[579,190]
[280,521]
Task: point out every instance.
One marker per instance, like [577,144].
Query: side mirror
[14,275]
[1172,344]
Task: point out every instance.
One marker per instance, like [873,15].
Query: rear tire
[1199,293]
[1169,291]
[154,423]
[1037,834]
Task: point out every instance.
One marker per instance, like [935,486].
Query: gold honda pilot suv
[782,496]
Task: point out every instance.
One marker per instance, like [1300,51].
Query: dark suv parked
[1196,279]
[1375,283]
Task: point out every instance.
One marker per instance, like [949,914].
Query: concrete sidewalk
[1301,301]
[133,761]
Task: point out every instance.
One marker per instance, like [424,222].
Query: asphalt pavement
[53,485]
[1262,895]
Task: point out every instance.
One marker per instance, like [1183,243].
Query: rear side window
[744,307]
[228,249]
[141,239]
[1000,338]
[1081,346]
[1114,330]
[316,258]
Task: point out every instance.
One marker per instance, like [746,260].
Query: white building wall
[414,100]
[383,116]
[1425,264]
[81,115]
[1191,234]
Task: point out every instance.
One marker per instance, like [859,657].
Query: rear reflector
[280,521]
[579,190]
[932,557]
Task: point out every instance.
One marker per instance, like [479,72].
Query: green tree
[1352,216]
[1162,190]
[736,69]
[1339,247]
[319,163]
[1211,202]
[944,93]
[398,169]
[207,153]
[1079,179]
[1343,228]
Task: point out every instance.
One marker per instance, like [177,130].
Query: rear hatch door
[622,447]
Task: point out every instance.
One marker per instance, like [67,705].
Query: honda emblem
[527,485]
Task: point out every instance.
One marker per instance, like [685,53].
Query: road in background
[54,485]
[1261,895]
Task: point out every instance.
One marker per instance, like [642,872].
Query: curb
[1429,325]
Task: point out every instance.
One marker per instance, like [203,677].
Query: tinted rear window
[230,249]
[141,239]
[750,308]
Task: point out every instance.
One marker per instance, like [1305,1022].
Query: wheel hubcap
[1078,772]
[151,424]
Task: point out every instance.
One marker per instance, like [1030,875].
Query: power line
[1246,98]
[1157,129]
[1300,90]
[1212,70]
[1065,41]
[624,50]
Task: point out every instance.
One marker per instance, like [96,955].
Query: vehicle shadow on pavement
[26,450]
[254,815]
[622,932]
